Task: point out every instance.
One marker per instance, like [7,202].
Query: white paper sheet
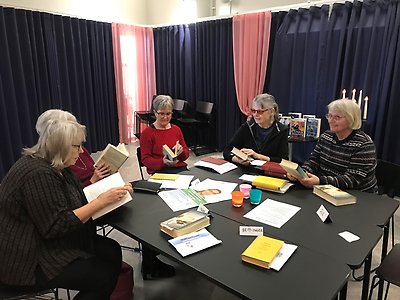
[181,199]
[348,236]
[194,242]
[224,187]
[221,169]
[272,213]
[182,182]
[282,256]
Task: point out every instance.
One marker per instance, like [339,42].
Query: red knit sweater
[84,168]
[151,142]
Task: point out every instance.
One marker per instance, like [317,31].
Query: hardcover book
[293,169]
[297,128]
[313,127]
[167,151]
[113,156]
[262,251]
[334,195]
[185,223]
[274,169]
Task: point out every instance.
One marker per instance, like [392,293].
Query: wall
[121,11]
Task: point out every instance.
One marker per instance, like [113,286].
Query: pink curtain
[135,76]
[251,34]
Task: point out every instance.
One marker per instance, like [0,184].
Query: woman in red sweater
[159,133]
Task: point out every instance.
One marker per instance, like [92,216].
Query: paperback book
[297,128]
[262,251]
[168,152]
[185,223]
[334,195]
[293,169]
[313,128]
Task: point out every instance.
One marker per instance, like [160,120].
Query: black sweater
[275,146]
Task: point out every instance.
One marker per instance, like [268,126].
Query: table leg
[343,292]
[367,270]
[385,241]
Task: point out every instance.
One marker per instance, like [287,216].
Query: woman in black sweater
[262,137]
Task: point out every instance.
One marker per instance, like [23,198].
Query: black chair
[388,177]
[139,159]
[389,271]
[15,295]
[179,109]
[201,120]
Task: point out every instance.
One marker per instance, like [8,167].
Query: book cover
[297,128]
[334,195]
[167,151]
[285,120]
[164,176]
[262,251]
[294,115]
[293,169]
[213,160]
[94,190]
[113,156]
[235,151]
[274,169]
[185,223]
[269,183]
[313,127]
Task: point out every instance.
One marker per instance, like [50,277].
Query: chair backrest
[139,158]
[388,177]
[204,110]
[179,108]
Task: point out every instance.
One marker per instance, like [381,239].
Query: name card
[251,230]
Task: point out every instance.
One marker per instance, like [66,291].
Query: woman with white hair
[262,137]
[47,236]
[84,167]
[344,156]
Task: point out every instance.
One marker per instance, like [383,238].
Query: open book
[113,156]
[94,190]
[235,151]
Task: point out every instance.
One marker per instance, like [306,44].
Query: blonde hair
[52,114]
[55,141]
[349,109]
[267,101]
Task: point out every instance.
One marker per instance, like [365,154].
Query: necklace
[83,163]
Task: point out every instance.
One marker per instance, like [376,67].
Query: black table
[306,229]
[306,275]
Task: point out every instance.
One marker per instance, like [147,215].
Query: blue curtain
[195,63]
[357,47]
[50,61]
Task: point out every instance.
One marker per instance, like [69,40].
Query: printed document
[214,190]
[272,213]
[194,242]
[221,169]
[182,182]
[181,199]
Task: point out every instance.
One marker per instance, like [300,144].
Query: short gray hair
[162,102]
[267,101]
[349,109]
[52,114]
[55,141]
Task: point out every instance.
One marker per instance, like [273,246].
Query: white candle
[344,93]
[360,99]
[353,95]
[365,108]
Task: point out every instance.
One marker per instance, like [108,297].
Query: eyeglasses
[334,118]
[164,114]
[78,147]
[259,111]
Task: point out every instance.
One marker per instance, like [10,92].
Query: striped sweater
[346,164]
[37,225]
